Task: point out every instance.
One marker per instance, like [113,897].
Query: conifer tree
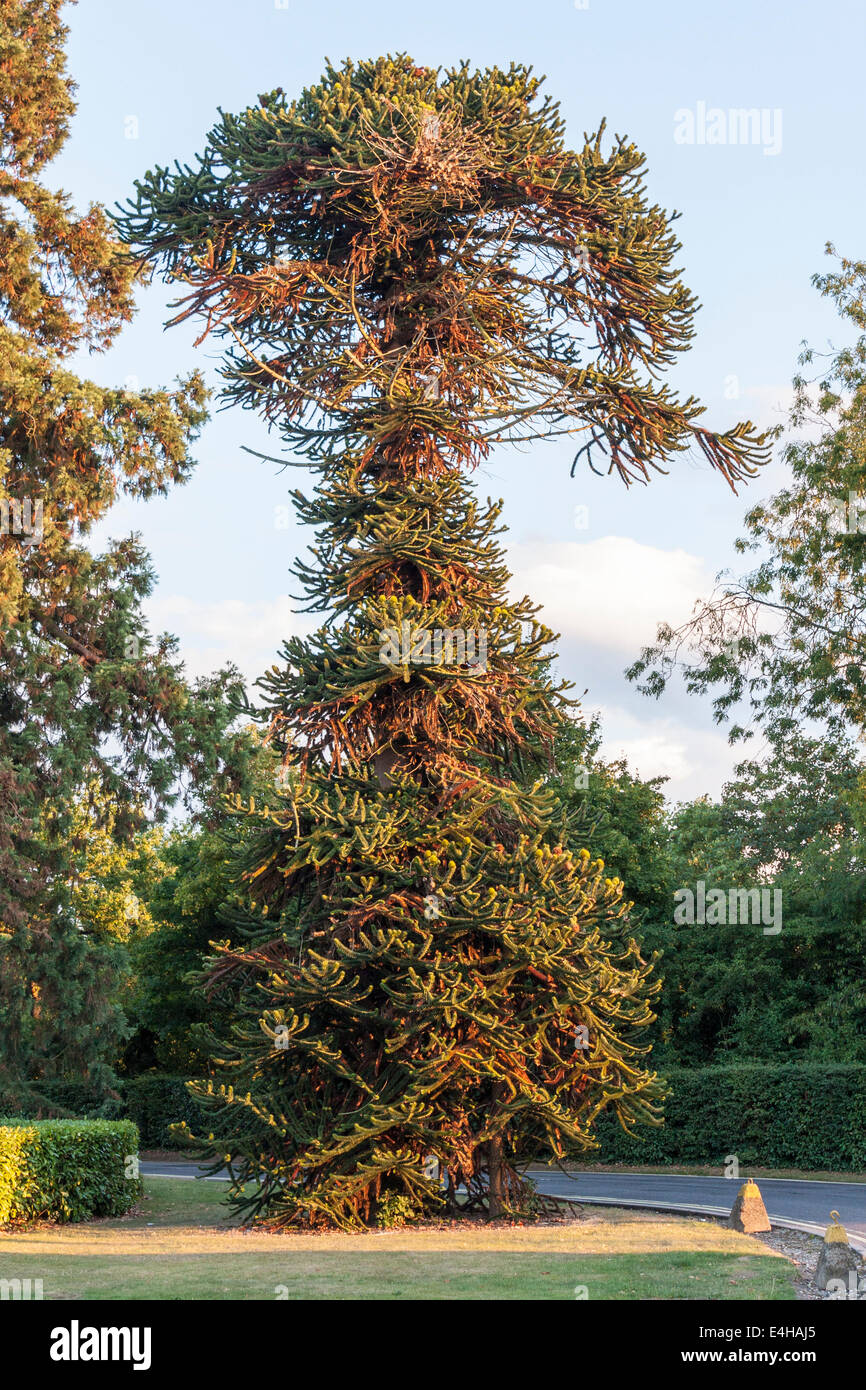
[429,988]
[87,698]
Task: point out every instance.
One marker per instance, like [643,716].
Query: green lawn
[179,1244]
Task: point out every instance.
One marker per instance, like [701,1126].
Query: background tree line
[729,993]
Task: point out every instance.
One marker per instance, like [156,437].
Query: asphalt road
[788,1200]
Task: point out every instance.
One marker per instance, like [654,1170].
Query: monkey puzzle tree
[409,267]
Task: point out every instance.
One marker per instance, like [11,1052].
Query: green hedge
[800,1115]
[67,1170]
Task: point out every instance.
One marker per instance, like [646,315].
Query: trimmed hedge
[67,1170]
[806,1115]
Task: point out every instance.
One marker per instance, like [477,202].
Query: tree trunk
[494,1179]
[495,1184]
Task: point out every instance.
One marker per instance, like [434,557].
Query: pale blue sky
[753,228]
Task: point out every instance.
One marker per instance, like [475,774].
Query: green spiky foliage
[430,989]
[87,699]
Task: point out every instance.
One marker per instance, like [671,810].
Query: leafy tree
[183,912]
[783,651]
[787,641]
[625,820]
[110,882]
[794,827]
[409,267]
[86,696]
[169,946]
[111,879]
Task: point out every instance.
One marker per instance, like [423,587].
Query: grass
[180,1244]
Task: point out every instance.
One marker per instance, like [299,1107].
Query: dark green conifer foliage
[409,266]
[86,697]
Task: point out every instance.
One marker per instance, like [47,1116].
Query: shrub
[395,1209]
[67,1170]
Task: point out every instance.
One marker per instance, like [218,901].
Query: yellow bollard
[748,1214]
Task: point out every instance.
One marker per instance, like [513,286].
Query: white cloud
[695,760]
[229,630]
[611,592]
[606,598]
[656,755]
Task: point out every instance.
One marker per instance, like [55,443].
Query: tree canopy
[89,700]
